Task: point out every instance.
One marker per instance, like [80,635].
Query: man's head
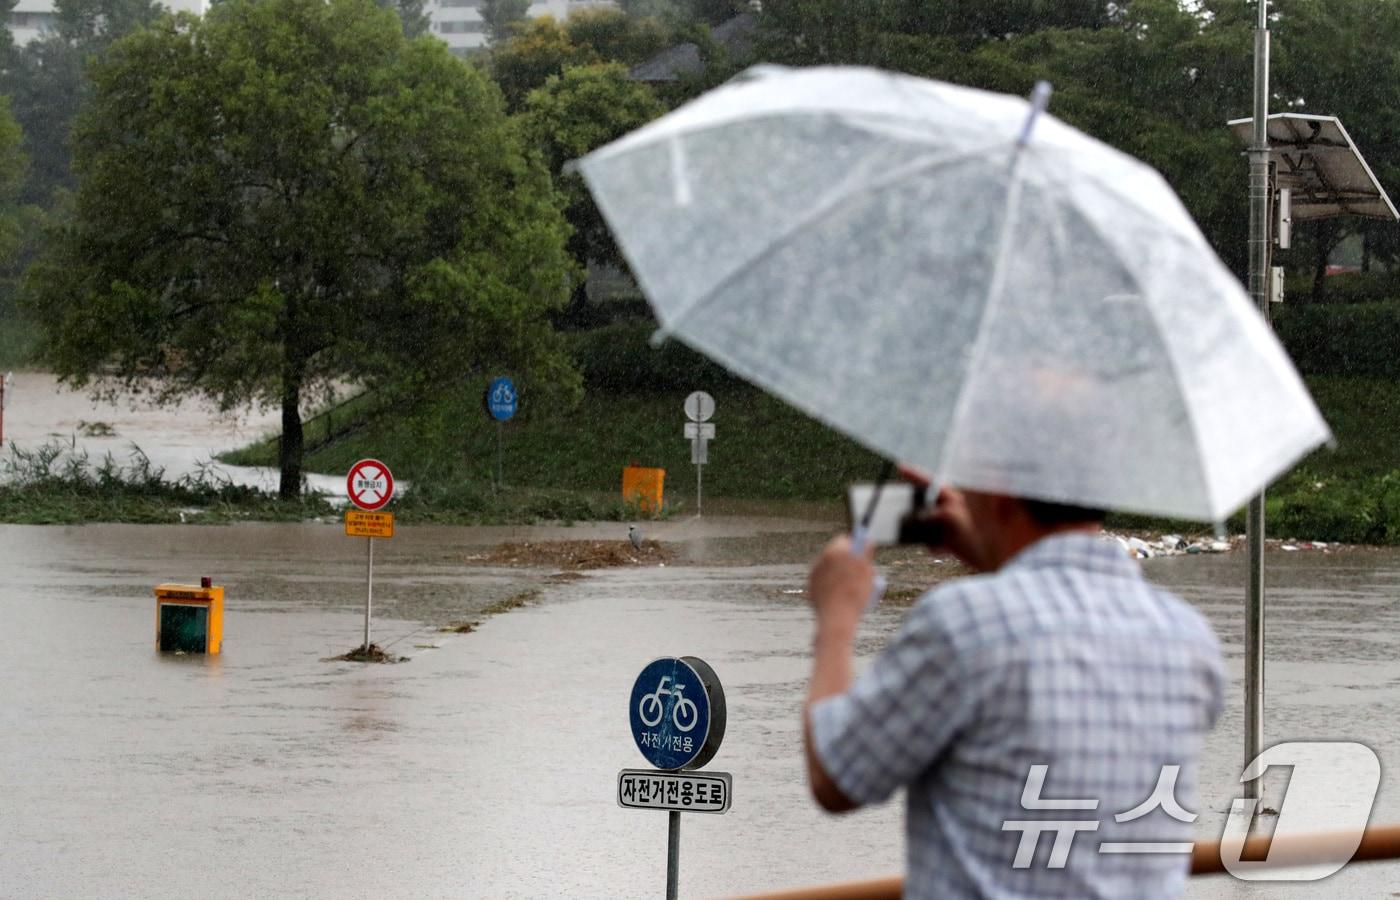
[987,530]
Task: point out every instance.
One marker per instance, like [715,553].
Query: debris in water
[371,654]
[575,555]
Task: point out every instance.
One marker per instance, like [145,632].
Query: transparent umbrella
[1019,309]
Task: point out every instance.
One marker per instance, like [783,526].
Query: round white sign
[699,406]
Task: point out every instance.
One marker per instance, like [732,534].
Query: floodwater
[486,765]
[181,438]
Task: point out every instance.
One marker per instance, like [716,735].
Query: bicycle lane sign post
[370,485]
[501,403]
[677,716]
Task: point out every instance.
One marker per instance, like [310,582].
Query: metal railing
[1379,843]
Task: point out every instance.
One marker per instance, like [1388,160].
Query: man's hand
[956,522]
[841,583]
[838,589]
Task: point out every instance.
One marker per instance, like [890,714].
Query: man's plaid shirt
[1065,658]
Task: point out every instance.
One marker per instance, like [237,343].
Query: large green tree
[289,193]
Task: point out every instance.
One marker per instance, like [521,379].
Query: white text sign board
[706,792]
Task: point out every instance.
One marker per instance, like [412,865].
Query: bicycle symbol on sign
[679,713]
[502,395]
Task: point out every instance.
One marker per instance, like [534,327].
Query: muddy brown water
[486,765]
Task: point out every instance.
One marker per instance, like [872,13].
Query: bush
[619,359]
[1364,510]
[1351,287]
[1342,339]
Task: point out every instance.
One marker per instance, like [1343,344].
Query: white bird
[634,536]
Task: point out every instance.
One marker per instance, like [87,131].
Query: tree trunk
[292,444]
[1328,234]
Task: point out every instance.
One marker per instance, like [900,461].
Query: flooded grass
[514,601]
[577,555]
[58,483]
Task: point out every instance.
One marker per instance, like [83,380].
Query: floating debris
[371,654]
[576,555]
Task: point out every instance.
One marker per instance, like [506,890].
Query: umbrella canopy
[1036,316]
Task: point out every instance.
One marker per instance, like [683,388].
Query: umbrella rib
[821,210]
[1185,405]
[994,292]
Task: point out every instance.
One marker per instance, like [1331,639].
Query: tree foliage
[286,194]
[542,48]
[502,16]
[412,15]
[46,83]
[572,114]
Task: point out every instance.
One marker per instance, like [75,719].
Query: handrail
[1379,843]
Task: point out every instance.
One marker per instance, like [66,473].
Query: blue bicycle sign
[677,712]
[501,399]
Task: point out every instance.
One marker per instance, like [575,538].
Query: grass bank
[763,450]
[563,463]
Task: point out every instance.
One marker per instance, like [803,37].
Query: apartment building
[456,22]
[459,24]
[32,18]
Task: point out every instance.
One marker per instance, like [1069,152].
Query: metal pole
[673,856]
[1259,247]
[369,586]
[500,477]
[699,483]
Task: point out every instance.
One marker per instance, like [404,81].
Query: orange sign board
[359,523]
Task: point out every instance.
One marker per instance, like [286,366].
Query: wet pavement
[486,765]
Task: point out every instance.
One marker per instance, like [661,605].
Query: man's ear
[1008,511]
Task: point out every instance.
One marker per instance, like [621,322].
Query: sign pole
[1259,247]
[370,486]
[699,480]
[673,855]
[501,402]
[369,585]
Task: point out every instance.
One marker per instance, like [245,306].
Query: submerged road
[486,765]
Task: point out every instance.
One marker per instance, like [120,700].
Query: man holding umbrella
[957,279]
[1052,695]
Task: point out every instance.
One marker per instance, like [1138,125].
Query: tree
[411,14]
[14,218]
[614,36]
[574,113]
[543,47]
[288,193]
[501,16]
[538,49]
[46,82]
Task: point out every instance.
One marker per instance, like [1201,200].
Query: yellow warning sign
[359,523]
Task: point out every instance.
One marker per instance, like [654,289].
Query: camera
[898,516]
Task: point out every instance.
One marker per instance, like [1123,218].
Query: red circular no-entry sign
[370,484]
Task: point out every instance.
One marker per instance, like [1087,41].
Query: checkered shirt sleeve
[898,716]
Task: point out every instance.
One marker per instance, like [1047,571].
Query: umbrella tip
[658,337]
[1039,100]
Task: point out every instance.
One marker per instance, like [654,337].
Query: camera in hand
[899,516]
